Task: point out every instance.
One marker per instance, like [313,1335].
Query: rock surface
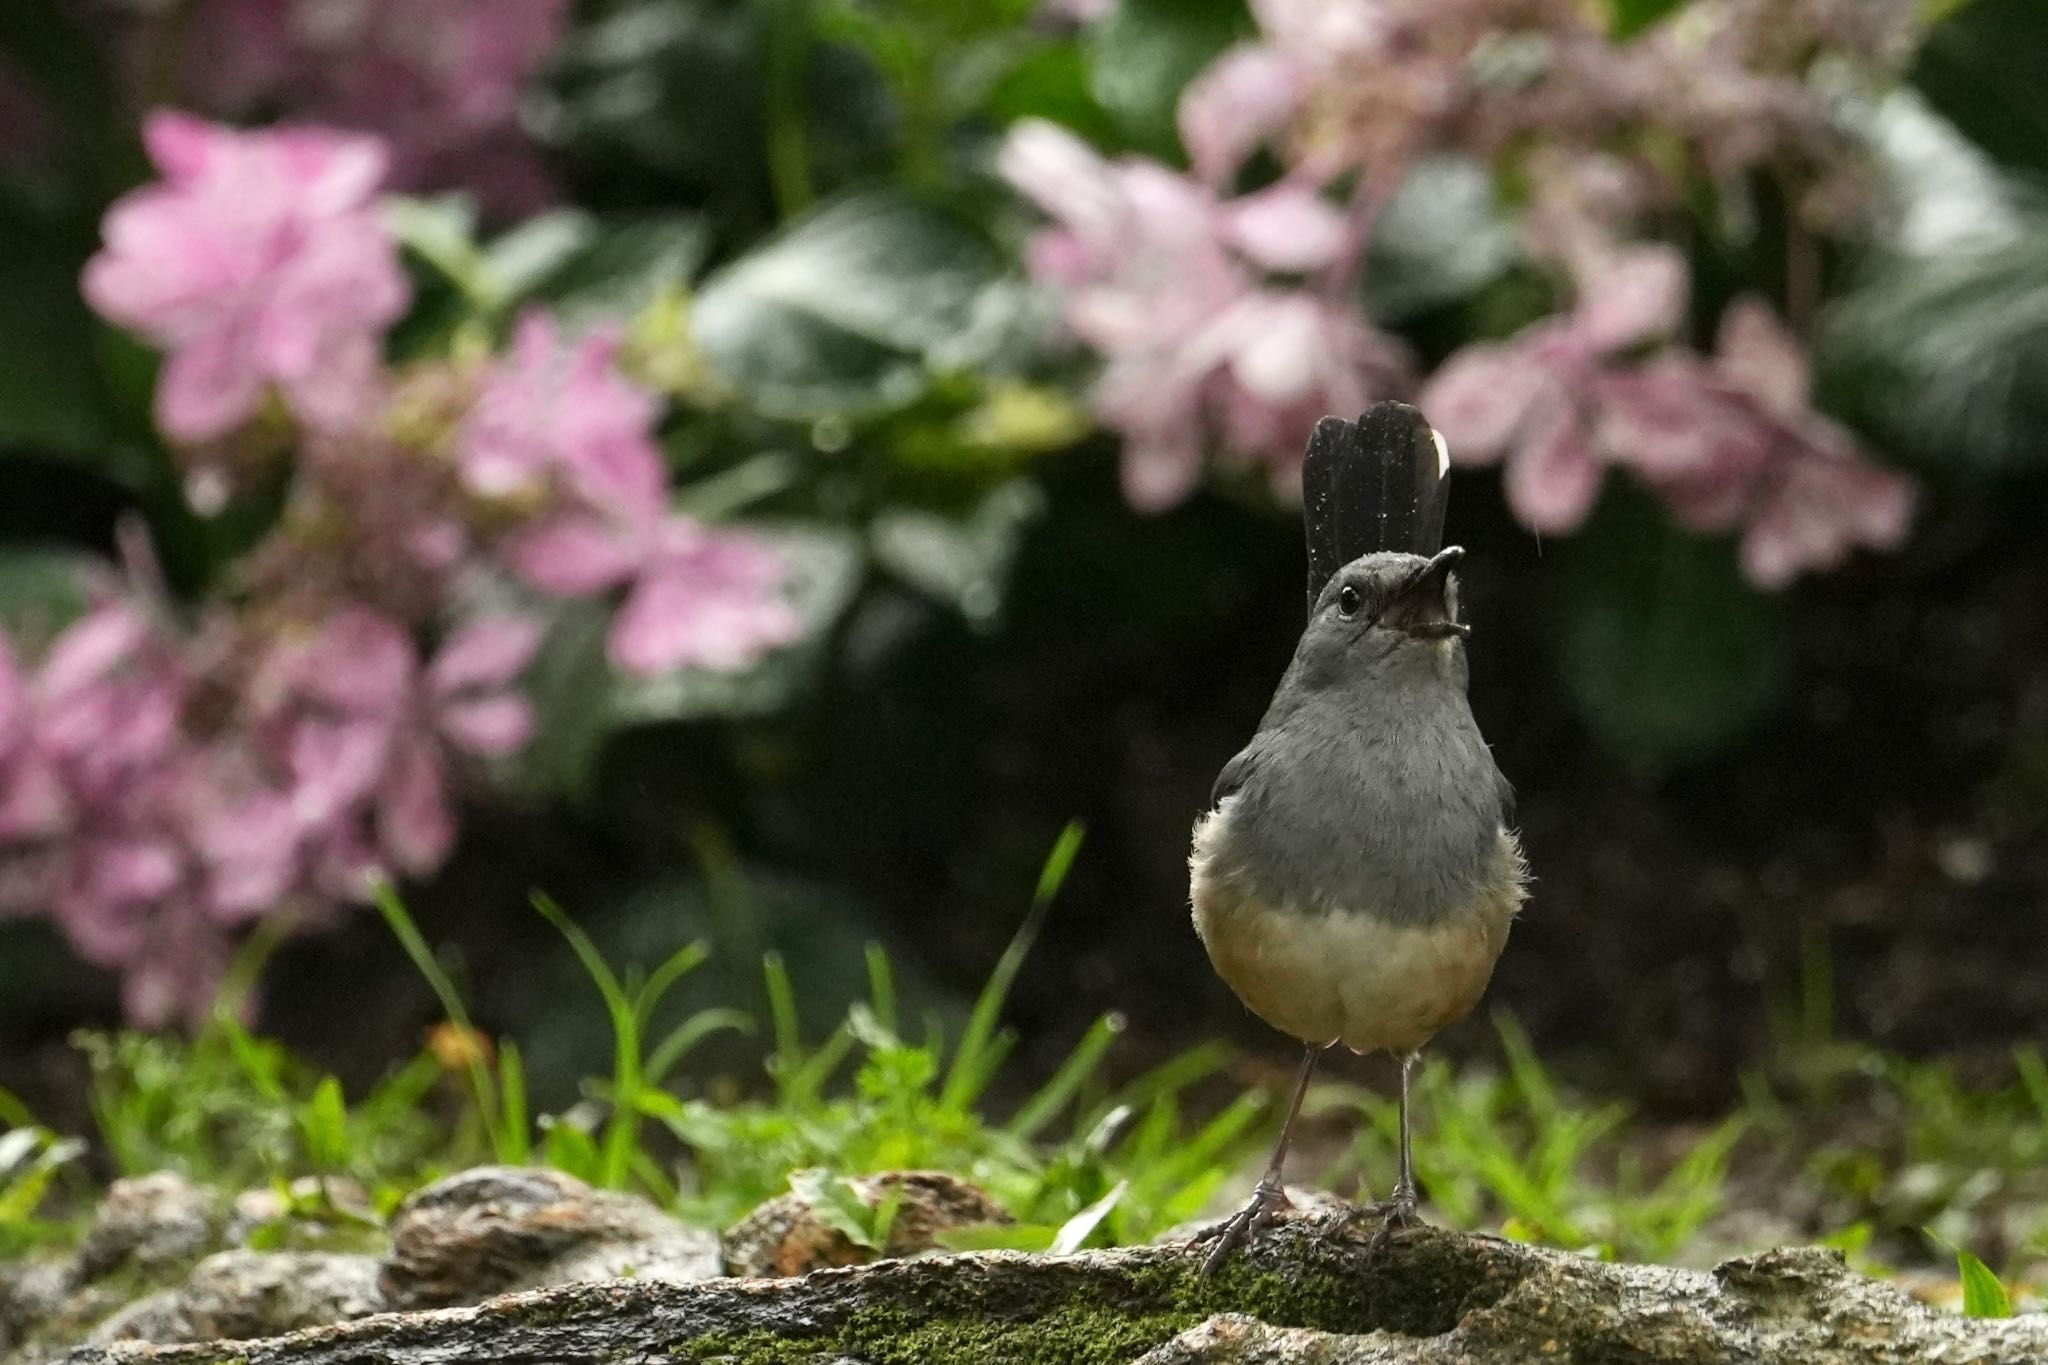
[786,1235]
[499,1228]
[165,1261]
[1312,1290]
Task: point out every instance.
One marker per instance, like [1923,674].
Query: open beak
[1424,608]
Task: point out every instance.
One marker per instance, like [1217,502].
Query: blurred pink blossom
[558,433]
[438,80]
[1240,101]
[703,599]
[151,811]
[259,260]
[1732,443]
[1533,400]
[558,430]
[1168,283]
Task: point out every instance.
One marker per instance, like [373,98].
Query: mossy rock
[1310,1290]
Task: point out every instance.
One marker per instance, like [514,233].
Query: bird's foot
[1398,1210]
[1267,1200]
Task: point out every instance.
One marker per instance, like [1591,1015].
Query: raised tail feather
[1379,483]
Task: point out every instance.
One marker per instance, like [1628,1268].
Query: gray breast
[1391,810]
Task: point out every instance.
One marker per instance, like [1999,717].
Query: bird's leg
[1398,1209]
[1268,1196]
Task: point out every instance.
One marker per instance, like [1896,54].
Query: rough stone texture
[1309,1291]
[258,1294]
[785,1236]
[500,1228]
[144,1274]
[149,1222]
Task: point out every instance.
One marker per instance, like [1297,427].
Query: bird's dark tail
[1379,483]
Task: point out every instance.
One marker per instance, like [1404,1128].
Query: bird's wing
[1379,483]
[1237,772]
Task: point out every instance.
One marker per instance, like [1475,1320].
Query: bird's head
[1388,606]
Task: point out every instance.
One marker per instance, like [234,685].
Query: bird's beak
[1424,607]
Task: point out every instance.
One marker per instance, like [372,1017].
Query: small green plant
[229,1108]
[32,1160]
[1984,1295]
[1551,1167]
[868,1097]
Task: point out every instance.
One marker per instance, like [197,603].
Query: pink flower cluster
[162,787]
[1232,314]
[1729,443]
[1173,284]
[151,830]
[556,426]
[439,81]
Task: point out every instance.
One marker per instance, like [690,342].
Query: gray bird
[1355,877]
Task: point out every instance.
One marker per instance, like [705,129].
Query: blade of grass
[1074,1233]
[678,1041]
[484,1092]
[969,1067]
[787,1058]
[621,1132]
[881,987]
[1082,1063]
[673,968]
[513,1120]
[13,1113]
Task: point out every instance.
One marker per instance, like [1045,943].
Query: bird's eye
[1349,600]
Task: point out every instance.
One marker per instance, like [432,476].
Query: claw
[1241,1227]
[1397,1211]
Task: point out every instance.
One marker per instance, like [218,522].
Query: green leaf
[516,263]
[840,1207]
[1144,52]
[962,561]
[1946,358]
[1664,646]
[441,233]
[846,311]
[1981,67]
[1074,1233]
[624,267]
[1034,1237]
[51,395]
[40,591]
[1626,18]
[667,103]
[1053,83]
[1983,1295]
[1441,239]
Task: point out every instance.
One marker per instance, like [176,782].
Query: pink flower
[1819,497]
[259,261]
[438,80]
[33,803]
[558,428]
[1168,284]
[559,431]
[469,685]
[704,599]
[1240,101]
[1731,443]
[1533,400]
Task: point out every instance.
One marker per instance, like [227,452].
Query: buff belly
[1340,975]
